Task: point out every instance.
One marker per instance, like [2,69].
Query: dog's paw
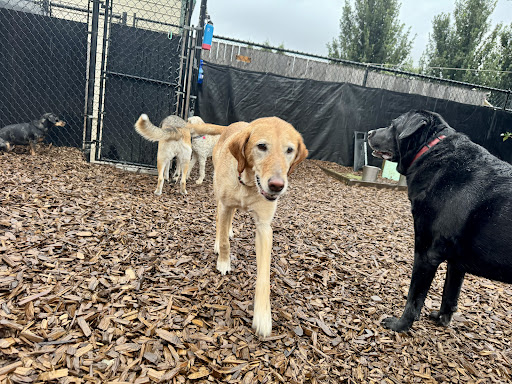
[231,233]
[262,323]
[157,192]
[395,324]
[224,266]
[144,117]
[199,181]
[440,319]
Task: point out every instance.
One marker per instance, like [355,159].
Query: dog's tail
[153,133]
[205,129]
[195,120]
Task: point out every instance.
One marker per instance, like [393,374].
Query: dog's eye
[262,147]
[289,150]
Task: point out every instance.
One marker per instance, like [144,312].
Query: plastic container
[200,76]
[207,37]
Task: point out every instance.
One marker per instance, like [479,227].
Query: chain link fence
[98,65]
[262,58]
[43,51]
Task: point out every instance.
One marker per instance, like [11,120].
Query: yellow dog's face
[271,148]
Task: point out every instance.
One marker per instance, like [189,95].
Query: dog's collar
[197,137]
[426,147]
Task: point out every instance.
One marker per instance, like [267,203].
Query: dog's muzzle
[274,185]
[386,155]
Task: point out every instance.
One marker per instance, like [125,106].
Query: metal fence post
[89,97]
[190,76]
[103,75]
[186,35]
[365,79]
[197,57]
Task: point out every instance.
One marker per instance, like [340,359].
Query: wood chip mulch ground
[102,282]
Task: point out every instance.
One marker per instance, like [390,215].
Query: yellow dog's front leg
[262,320]
[224,218]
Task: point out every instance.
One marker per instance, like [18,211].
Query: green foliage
[371,33]
[467,43]
[268,47]
[267,44]
[505,53]
[506,135]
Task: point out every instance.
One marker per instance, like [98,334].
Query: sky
[308,25]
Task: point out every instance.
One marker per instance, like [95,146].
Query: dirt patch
[102,282]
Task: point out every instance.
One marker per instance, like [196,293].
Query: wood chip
[203,372]
[82,351]
[84,326]
[52,375]
[10,368]
[6,343]
[36,296]
[170,337]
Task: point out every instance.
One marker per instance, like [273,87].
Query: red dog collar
[427,147]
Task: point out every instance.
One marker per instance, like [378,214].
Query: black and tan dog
[28,133]
[461,199]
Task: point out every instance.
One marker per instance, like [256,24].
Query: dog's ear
[50,117]
[413,125]
[237,148]
[302,153]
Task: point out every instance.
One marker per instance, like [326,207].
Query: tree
[371,33]
[468,43]
[505,62]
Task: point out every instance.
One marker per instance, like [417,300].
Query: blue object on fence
[207,37]
[200,76]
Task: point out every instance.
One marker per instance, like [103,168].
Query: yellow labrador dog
[252,162]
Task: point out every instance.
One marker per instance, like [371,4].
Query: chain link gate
[97,64]
[142,66]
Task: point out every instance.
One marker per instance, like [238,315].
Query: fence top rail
[372,67]
[78,9]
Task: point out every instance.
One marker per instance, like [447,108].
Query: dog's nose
[276,184]
[371,133]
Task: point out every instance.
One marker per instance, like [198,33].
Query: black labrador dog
[461,199]
[28,133]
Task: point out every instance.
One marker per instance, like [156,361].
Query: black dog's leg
[423,273]
[451,292]
[32,147]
